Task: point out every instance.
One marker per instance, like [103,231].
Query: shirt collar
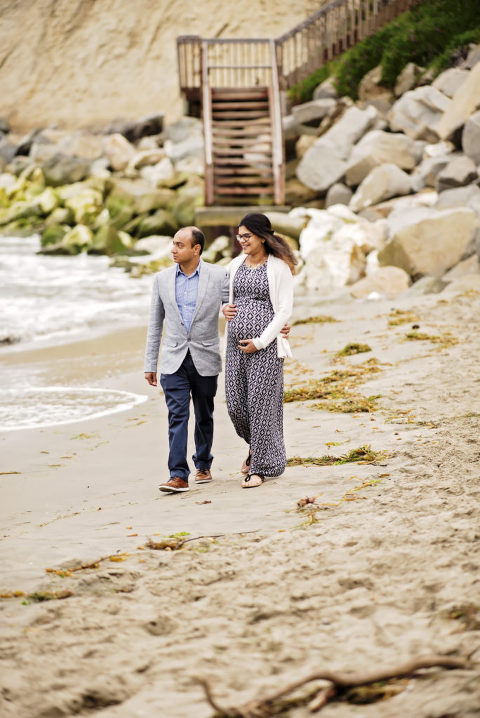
[197,271]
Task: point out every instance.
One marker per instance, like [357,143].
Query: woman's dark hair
[260,225]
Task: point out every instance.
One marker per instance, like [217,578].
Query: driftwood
[261,707]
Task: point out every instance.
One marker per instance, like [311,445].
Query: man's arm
[154,335]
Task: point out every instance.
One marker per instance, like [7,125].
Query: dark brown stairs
[242,170]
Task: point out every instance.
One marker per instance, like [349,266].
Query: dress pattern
[254,382]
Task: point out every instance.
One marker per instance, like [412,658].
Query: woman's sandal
[246,463]
[253,480]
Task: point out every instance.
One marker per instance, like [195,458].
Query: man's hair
[198,238]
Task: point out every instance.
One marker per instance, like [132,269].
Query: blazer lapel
[171,293]
[203,280]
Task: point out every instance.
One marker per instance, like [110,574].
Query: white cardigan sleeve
[282,301]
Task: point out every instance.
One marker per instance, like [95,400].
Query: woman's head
[260,227]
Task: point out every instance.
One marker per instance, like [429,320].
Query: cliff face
[81,63]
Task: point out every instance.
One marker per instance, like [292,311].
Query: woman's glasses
[243,237]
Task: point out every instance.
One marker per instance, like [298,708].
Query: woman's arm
[284,289]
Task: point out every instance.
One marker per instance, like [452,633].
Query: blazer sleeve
[155,326]
[284,294]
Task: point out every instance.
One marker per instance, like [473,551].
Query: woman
[260,303]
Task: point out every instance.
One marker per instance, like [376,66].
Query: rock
[190,166]
[326,89]
[377,148]
[146,158]
[159,173]
[382,106]
[464,103]
[381,183]
[7,181]
[153,142]
[183,129]
[85,205]
[428,285]
[23,210]
[471,137]
[370,86]
[324,163]
[47,200]
[25,143]
[18,165]
[449,81]
[108,240]
[60,216]
[313,111]
[155,244]
[140,196]
[288,224]
[459,172]
[473,58]
[387,281]
[78,239]
[7,149]
[418,113]
[53,234]
[338,194]
[188,199]
[291,129]
[160,222]
[82,144]
[471,265]
[408,78]
[425,175]
[303,144]
[428,241]
[118,150]
[4,125]
[192,146]
[460,197]
[60,169]
[134,130]
[219,248]
[297,194]
[439,149]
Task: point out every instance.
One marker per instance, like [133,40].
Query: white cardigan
[280,287]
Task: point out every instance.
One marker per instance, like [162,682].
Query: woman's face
[250,243]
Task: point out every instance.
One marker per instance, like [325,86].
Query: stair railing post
[277,153]
[207,126]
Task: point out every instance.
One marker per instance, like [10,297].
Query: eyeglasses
[243,237]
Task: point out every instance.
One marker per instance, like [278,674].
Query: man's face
[183,251]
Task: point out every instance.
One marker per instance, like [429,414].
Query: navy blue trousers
[186,382]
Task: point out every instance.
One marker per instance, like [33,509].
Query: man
[187,298]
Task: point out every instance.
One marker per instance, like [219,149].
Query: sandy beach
[383,567]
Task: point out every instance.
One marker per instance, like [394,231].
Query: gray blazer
[202,340]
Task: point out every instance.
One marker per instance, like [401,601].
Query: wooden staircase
[242,138]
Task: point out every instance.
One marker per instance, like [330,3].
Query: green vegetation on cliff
[431,34]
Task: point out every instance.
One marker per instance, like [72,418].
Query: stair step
[239,116]
[241,181]
[241,171]
[241,123]
[243,190]
[233,161]
[241,106]
[245,134]
[254,141]
[260,156]
[239,93]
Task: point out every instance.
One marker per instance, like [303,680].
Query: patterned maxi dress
[254,382]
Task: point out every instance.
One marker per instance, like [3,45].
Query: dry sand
[361,584]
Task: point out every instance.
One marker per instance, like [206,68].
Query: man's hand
[247,346]
[229,311]
[151,377]
[285,330]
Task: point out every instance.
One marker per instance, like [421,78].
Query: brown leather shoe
[203,476]
[175,485]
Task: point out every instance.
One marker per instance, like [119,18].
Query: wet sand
[373,577]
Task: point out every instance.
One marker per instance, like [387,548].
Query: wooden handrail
[331,30]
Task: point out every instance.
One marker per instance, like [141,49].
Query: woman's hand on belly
[247,346]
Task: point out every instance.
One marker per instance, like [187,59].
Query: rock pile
[395,182]
[103,192]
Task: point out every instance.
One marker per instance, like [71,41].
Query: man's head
[188,245]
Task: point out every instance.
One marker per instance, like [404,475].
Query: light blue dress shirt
[186,293]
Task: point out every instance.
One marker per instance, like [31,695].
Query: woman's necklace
[258,264]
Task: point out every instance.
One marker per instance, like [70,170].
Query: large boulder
[325,89]
[418,113]
[408,79]
[159,174]
[183,128]
[313,111]
[459,172]
[377,148]
[428,241]
[81,144]
[471,137]
[85,205]
[160,222]
[471,265]
[464,103]
[118,150]
[140,196]
[61,169]
[370,86]
[386,281]
[144,158]
[133,130]
[449,81]
[297,194]
[426,173]
[324,163]
[381,183]
[460,197]
[288,224]
[191,146]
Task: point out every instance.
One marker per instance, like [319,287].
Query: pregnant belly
[250,320]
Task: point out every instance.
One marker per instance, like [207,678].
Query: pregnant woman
[260,303]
